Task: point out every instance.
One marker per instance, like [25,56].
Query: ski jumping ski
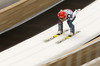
[66,38]
[55,36]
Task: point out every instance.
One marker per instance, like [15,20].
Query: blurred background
[38,24]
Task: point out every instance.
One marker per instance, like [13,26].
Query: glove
[78,9]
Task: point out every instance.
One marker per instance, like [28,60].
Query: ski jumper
[70,18]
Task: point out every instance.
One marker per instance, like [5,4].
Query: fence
[13,14]
[79,56]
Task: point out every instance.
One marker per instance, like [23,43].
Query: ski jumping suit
[69,20]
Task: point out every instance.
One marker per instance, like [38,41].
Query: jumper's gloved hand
[78,9]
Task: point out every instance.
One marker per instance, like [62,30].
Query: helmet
[62,14]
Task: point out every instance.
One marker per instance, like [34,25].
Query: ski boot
[71,34]
[59,32]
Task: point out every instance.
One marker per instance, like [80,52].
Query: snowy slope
[34,51]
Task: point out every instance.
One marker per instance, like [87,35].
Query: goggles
[62,18]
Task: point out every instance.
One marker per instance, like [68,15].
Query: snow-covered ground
[34,51]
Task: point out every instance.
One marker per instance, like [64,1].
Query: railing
[12,6]
[16,13]
[95,62]
[79,56]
